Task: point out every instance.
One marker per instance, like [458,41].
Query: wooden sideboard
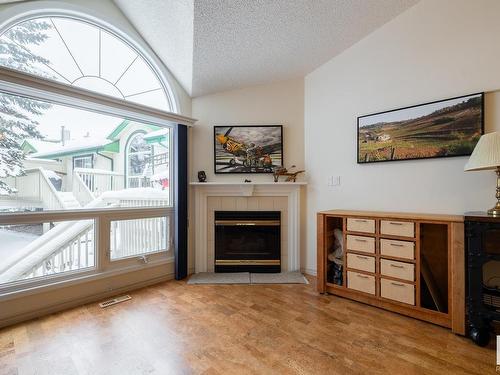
[412,264]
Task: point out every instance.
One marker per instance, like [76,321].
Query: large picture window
[94,162]
[85,180]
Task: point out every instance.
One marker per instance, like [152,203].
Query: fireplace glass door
[248,241]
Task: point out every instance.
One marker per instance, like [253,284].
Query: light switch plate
[333,180]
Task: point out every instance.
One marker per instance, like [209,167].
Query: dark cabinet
[482,234]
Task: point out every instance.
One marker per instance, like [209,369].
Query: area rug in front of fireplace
[247,278]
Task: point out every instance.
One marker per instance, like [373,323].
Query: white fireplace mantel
[246,188]
[204,190]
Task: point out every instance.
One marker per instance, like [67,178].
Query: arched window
[138,158]
[83,54]
[65,149]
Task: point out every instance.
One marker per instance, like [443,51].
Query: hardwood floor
[174,328]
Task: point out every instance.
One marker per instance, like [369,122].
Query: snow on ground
[12,241]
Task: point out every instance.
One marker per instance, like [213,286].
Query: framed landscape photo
[248,148]
[443,128]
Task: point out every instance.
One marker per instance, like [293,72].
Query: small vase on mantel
[202,176]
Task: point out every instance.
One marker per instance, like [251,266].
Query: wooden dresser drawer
[399,249]
[397,228]
[361,262]
[397,291]
[361,282]
[360,243]
[399,270]
[361,225]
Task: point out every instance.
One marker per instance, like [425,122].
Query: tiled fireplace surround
[211,197]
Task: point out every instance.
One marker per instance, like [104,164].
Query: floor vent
[114,301]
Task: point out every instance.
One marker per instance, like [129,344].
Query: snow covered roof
[78,146]
[44,149]
[115,134]
[157,135]
[39,145]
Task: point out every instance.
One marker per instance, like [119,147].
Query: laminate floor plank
[175,328]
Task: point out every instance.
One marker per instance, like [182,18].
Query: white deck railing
[138,182]
[81,191]
[36,186]
[77,253]
[70,245]
[140,236]
[98,181]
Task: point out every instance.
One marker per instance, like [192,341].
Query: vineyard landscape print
[449,127]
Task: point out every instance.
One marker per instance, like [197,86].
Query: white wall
[435,50]
[274,103]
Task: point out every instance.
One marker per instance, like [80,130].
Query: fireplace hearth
[247,241]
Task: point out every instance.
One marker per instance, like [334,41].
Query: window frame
[103,263]
[127,154]
[18,83]
[85,156]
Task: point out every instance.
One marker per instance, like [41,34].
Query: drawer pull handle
[359,240]
[396,265]
[393,223]
[396,245]
[361,221]
[362,276]
[396,284]
[361,257]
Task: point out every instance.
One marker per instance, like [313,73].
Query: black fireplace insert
[247,241]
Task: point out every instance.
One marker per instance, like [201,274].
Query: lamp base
[495,211]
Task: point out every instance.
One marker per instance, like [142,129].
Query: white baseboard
[309,271]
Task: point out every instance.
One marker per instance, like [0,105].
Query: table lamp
[486,155]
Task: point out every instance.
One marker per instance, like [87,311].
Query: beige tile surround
[227,196]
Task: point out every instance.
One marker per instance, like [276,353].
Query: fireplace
[247,241]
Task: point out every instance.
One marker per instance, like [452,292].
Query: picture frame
[443,128]
[247,148]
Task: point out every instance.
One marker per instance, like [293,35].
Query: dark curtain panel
[181,201]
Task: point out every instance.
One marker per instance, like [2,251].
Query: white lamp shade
[486,154]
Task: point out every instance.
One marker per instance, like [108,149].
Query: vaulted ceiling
[217,45]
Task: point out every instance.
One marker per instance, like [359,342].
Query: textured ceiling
[237,43]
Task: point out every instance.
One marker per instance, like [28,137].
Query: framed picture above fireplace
[248,148]
[444,128]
